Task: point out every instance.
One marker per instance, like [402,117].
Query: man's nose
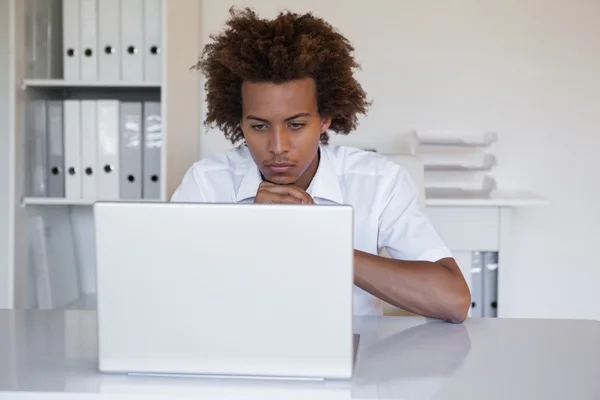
[279,141]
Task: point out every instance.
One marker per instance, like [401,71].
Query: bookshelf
[47,234]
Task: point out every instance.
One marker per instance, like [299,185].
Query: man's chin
[281,180]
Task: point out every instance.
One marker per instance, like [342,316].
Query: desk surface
[48,354]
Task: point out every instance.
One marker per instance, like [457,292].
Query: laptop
[233,290]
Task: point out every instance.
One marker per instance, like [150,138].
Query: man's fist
[269,193]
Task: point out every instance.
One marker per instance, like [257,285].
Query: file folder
[72,142]
[153,143]
[56,157]
[71,40]
[490,284]
[108,149]
[55,39]
[29,147]
[132,41]
[30,36]
[38,262]
[152,40]
[52,257]
[82,225]
[40,149]
[43,39]
[88,40]
[41,21]
[61,262]
[131,150]
[109,40]
[476,284]
[89,150]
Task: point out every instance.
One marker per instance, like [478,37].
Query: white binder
[132,40]
[89,150]
[109,40]
[71,40]
[89,41]
[108,149]
[72,139]
[152,40]
[153,143]
[131,150]
[56,148]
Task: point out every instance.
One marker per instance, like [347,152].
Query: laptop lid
[225,289]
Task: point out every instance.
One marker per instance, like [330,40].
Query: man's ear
[325,123]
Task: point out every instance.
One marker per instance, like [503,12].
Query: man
[277,86]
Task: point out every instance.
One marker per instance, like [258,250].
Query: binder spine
[131,150]
[476,284]
[56,157]
[490,281]
[153,143]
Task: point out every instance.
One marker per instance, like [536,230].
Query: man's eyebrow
[297,116]
[256,118]
[253,117]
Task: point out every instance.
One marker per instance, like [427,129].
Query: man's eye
[296,125]
[259,127]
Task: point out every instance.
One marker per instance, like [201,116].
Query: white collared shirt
[386,209]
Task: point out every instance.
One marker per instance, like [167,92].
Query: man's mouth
[280,168]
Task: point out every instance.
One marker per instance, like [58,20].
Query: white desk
[52,354]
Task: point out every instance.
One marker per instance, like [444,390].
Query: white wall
[528,69]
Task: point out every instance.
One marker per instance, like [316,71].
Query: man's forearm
[430,289]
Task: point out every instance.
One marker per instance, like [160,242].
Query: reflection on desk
[412,363]
[52,354]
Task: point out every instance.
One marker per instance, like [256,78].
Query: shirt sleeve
[405,231]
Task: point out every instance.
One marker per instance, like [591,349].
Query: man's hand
[270,193]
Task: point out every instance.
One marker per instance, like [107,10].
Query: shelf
[60,83]
[53,201]
[59,201]
[33,80]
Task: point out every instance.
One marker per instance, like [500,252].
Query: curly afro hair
[289,47]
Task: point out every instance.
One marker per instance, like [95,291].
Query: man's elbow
[459,310]
[458,296]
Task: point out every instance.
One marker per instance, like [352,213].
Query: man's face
[282,128]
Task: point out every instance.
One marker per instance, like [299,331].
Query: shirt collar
[325,184]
